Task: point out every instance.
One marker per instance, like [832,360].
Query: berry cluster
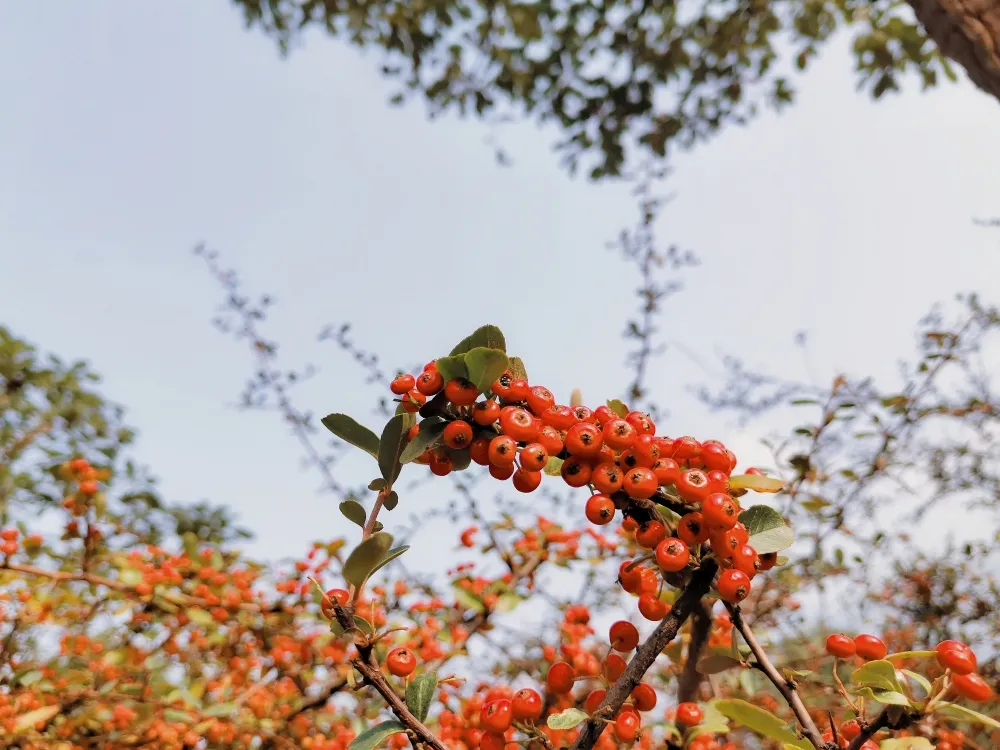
[674,493]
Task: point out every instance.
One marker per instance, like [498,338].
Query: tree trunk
[968,32]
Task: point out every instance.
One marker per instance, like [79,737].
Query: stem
[786,688]
[690,679]
[883,721]
[646,654]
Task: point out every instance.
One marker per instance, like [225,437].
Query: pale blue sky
[133,131]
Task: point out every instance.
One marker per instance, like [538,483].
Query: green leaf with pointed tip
[420,695]
[365,557]
[906,743]
[467,599]
[392,444]
[452,367]
[911,655]
[485,366]
[350,431]
[760,721]
[553,467]
[888,697]
[516,368]
[429,436]
[221,709]
[508,602]
[199,616]
[924,683]
[961,713]
[767,529]
[354,512]
[389,557]
[618,408]
[756,482]
[486,336]
[28,720]
[376,735]
[567,719]
[879,674]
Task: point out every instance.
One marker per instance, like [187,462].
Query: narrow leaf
[376,735]
[567,719]
[911,655]
[888,697]
[924,683]
[961,713]
[366,556]
[389,557]
[756,482]
[485,366]
[758,720]
[220,709]
[354,512]
[420,695]
[717,663]
[391,446]
[429,436]
[348,430]
[906,743]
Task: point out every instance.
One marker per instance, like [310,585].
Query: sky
[131,132]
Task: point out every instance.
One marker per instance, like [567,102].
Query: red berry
[457,434]
[614,667]
[692,485]
[534,457]
[686,448]
[689,714]
[334,595]
[502,473]
[607,478]
[640,483]
[627,726]
[645,450]
[539,399]
[441,464]
[644,697]
[650,534]
[584,440]
[576,472]
[600,510]
[619,434]
[526,705]
[519,424]
[719,511]
[429,382]
[401,661]
[652,607]
[551,439]
[971,686]
[518,390]
[745,559]
[641,422]
[733,585]
[412,401]
[603,414]
[630,579]
[624,636]
[560,677]
[850,729]
[667,471]
[692,529]
[461,392]
[672,555]
[527,481]
[502,451]
[768,561]
[402,383]
[959,658]
[496,716]
[479,451]
[485,412]
[491,741]
[870,648]
[840,646]
[594,700]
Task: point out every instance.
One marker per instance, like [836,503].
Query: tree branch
[883,721]
[646,654]
[785,687]
[690,679]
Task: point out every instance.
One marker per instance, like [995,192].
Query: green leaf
[173,715]
[486,336]
[508,602]
[889,697]
[351,432]
[391,446]
[460,459]
[924,683]
[716,663]
[391,500]
[756,482]
[354,512]
[376,484]
[911,655]
[199,616]
[760,721]
[618,408]
[567,719]
[376,735]
[420,695]
[26,721]
[366,556]
[906,743]
[428,436]
[517,369]
[767,529]
[961,713]
[390,556]
[30,678]
[554,466]
[130,577]
[467,599]
[452,367]
[720,726]
[879,674]
[221,709]
[485,366]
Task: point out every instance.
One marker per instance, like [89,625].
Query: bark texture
[967,32]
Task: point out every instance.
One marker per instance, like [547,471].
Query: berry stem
[859,711]
[786,688]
